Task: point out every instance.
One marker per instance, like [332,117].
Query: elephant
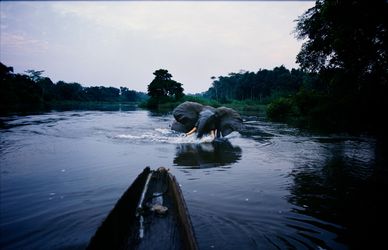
[193,117]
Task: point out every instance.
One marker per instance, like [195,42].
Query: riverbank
[28,108]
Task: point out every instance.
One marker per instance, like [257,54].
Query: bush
[307,101]
[280,109]
[202,100]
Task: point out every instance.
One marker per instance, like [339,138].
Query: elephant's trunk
[206,123]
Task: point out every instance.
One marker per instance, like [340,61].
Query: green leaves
[163,89]
[347,35]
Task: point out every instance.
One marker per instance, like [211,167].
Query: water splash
[165,135]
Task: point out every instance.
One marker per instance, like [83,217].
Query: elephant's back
[187,112]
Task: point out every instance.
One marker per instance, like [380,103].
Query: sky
[123,43]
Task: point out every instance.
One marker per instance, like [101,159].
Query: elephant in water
[193,117]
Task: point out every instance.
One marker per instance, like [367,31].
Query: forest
[345,44]
[262,86]
[32,91]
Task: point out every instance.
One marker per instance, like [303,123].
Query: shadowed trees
[346,36]
[17,88]
[346,48]
[163,89]
[32,90]
[262,86]
[347,45]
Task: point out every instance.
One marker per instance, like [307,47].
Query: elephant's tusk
[191,131]
[213,133]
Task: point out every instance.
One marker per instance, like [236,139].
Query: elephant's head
[228,121]
[205,119]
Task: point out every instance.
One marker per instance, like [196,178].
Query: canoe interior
[172,230]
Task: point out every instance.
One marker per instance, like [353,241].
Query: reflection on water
[342,190]
[94,106]
[207,155]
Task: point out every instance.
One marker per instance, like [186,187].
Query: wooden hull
[133,225]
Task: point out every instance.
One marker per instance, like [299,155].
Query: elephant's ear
[229,121]
[187,115]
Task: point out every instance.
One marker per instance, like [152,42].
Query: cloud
[124,42]
[228,23]
[14,41]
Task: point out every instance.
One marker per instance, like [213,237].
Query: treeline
[32,89]
[262,86]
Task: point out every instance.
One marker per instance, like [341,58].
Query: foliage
[346,44]
[163,89]
[35,75]
[280,109]
[15,88]
[262,86]
[348,35]
[127,95]
[202,100]
[26,91]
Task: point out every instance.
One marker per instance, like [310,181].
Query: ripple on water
[280,229]
[275,188]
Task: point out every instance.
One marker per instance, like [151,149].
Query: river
[270,187]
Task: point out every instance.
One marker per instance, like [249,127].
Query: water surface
[270,187]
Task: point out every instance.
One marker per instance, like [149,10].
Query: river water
[270,187]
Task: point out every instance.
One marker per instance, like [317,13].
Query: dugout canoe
[151,214]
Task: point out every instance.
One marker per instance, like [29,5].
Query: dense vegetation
[163,89]
[31,90]
[346,45]
[262,86]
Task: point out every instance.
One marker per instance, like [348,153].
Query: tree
[262,86]
[35,75]
[17,90]
[163,88]
[48,89]
[127,95]
[69,91]
[348,39]
[31,90]
[5,71]
[347,45]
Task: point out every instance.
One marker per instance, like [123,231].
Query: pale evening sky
[123,43]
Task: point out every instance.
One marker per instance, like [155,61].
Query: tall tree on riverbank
[163,88]
[347,38]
